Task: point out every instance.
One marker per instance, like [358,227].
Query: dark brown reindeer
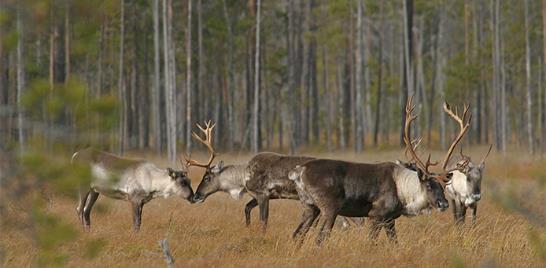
[133,180]
[383,191]
[265,177]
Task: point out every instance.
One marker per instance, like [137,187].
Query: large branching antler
[464,124]
[411,145]
[207,141]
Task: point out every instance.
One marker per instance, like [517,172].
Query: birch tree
[121,85]
[20,79]
[156,128]
[528,79]
[256,116]
[188,80]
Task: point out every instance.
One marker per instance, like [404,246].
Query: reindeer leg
[463,212]
[459,211]
[137,205]
[248,208]
[391,231]
[309,216]
[474,212]
[81,205]
[91,199]
[454,209]
[263,202]
[374,229]
[327,224]
[315,223]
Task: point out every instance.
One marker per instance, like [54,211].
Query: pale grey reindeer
[264,177]
[135,180]
[464,190]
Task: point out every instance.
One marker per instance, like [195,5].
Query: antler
[464,124]
[485,157]
[463,156]
[207,141]
[412,145]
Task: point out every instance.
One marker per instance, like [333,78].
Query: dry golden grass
[213,233]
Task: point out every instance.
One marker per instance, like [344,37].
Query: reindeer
[382,191]
[265,177]
[133,180]
[229,178]
[464,190]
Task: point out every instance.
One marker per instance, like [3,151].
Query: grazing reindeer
[464,190]
[265,177]
[383,191]
[134,180]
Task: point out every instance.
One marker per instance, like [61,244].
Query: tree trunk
[231,80]
[172,84]
[67,41]
[201,68]
[98,90]
[156,127]
[121,84]
[20,80]
[528,79]
[377,124]
[288,96]
[359,83]
[543,133]
[329,100]
[255,125]
[440,78]
[188,81]
[408,69]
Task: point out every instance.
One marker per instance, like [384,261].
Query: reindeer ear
[218,167]
[171,173]
[449,176]
[420,174]
[482,166]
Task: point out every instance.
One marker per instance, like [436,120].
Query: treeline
[280,75]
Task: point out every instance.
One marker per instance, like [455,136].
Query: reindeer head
[210,182]
[470,183]
[432,183]
[181,184]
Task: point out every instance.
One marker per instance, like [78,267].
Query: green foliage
[10,39]
[69,105]
[52,233]
[56,170]
[462,78]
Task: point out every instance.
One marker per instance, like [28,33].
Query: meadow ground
[510,230]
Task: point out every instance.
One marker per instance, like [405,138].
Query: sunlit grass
[213,233]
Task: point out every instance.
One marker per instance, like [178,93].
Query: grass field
[509,232]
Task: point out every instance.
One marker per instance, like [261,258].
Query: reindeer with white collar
[134,180]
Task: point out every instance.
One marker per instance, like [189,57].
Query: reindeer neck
[233,176]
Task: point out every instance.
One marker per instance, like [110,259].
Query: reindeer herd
[326,188]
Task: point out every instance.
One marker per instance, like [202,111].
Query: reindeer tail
[295,174]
